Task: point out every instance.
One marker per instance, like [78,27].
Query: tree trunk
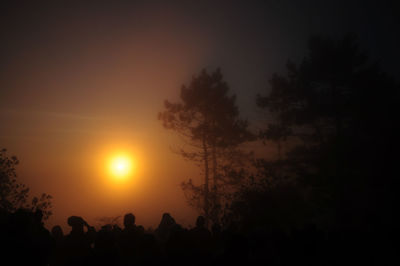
[206,178]
[215,202]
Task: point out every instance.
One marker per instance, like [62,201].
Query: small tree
[208,120]
[15,195]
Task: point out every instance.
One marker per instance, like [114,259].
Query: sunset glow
[121,166]
[192,108]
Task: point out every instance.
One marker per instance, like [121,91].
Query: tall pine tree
[208,119]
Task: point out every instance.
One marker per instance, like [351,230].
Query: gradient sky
[79,82]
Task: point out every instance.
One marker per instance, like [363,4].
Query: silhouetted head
[106,228]
[201,221]
[167,220]
[57,232]
[129,220]
[140,229]
[116,228]
[176,229]
[76,223]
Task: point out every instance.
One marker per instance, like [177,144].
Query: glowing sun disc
[121,166]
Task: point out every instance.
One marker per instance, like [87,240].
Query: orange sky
[80,81]
[89,84]
[78,95]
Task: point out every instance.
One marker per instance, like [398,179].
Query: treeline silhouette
[331,118]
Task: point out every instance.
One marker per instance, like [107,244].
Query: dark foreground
[25,241]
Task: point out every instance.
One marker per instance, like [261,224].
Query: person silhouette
[217,239]
[201,241]
[57,233]
[129,221]
[57,256]
[78,243]
[41,238]
[201,226]
[128,239]
[164,228]
[105,248]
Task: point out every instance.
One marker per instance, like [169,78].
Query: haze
[80,82]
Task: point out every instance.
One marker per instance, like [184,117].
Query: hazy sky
[80,81]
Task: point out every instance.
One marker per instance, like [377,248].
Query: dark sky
[80,77]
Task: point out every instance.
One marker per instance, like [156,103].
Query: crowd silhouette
[27,242]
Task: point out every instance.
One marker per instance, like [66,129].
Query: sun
[121,166]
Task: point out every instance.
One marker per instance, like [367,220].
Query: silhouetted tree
[15,195]
[208,119]
[334,114]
